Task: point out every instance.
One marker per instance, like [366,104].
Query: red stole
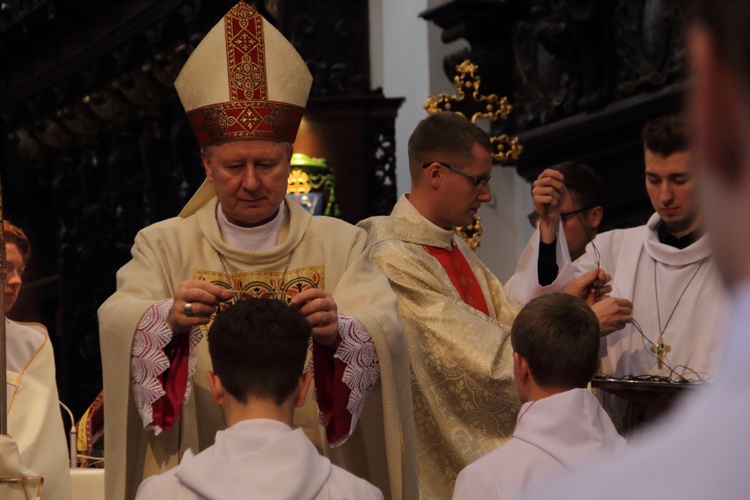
[461,275]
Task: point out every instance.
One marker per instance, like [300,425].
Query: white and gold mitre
[244,81]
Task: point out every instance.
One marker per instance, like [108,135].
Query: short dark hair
[444,134]
[258,348]
[583,183]
[558,335]
[15,235]
[666,135]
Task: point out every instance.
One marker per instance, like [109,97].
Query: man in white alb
[664,267]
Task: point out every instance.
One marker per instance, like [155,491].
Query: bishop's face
[16,267]
[250,178]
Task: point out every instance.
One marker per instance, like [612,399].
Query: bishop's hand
[194,303]
[321,312]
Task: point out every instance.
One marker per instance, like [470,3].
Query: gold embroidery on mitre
[215,123]
[247,75]
[246,53]
[243,119]
[281,120]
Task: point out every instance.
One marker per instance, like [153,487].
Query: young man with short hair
[258,349]
[561,425]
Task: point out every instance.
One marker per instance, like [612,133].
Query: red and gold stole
[461,275]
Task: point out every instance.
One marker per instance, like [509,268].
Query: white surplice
[636,259]
[555,435]
[257,458]
[34,418]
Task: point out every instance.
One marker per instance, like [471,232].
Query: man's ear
[717,107]
[206,162]
[217,390]
[520,368]
[595,217]
[521,377]
[302,386]
[434,175]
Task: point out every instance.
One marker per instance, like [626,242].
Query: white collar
[252,239]
[670,255]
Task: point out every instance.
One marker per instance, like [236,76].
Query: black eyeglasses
[534,217]
[476,181]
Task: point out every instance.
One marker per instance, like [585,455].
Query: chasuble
[313,252]
[465,401]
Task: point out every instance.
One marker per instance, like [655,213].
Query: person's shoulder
[375,222]
[166,486]
[37,331]
[324,221]
[162,487]
[389,230]
[615,237]
[502,457]
[344,484]
[173,230]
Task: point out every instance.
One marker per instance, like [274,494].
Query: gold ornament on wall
[488,107]
[471,233]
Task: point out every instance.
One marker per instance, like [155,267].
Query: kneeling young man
[258,349]
[561,425]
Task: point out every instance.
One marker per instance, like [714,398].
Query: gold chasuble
[465,401]
[325,253]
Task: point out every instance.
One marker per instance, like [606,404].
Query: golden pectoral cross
[660,349]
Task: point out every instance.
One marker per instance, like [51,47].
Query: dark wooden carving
[94,144]
[583,77]
[331,39]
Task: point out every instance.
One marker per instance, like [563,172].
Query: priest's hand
[590,286]
[549,194]
[613,314]
[320,310]
[194,303]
